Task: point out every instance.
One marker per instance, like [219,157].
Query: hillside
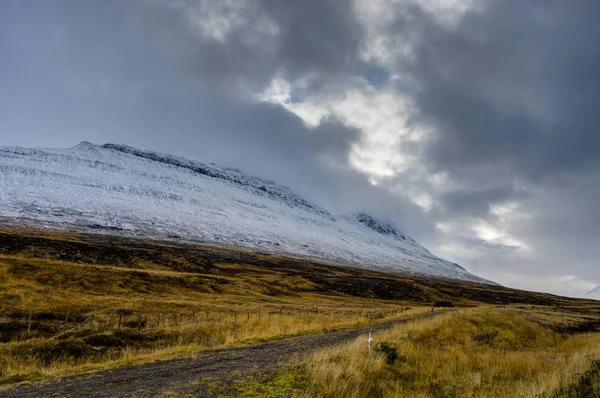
[77,302]
[124,191]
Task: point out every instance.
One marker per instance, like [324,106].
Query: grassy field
[475,353]
[71,302]
[145,310]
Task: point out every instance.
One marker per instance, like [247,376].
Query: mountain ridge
[114,187]
[228,174]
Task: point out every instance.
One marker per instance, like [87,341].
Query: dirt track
[186,376]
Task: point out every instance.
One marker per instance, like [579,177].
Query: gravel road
[185,376]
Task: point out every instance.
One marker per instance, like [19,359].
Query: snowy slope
[119,189]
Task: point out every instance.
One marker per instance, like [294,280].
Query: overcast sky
[471,125]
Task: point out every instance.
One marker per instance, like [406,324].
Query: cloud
[507,94]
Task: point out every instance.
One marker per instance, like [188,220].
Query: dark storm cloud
[513,85]
[510,96]
[321,36]
[317,38]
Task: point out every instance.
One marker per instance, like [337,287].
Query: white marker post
[29,321]
[369,341]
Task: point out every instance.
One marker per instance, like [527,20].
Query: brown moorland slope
[72,302]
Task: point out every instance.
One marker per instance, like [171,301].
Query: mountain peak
[84,145]
[231,175]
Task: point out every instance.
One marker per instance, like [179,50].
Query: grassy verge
[480,353]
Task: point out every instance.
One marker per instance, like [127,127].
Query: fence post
[139,321]
[206,316]
[120,317]
[92,321]
[369,316]
[66,320]
[369,341]
[175,319]
[29,321]
[158,320]
[193,317]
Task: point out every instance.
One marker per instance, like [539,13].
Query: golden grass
[444,358]
[59,276]
[163,314]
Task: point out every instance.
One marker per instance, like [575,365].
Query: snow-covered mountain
[123,190]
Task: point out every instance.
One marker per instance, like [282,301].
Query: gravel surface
[188,376]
